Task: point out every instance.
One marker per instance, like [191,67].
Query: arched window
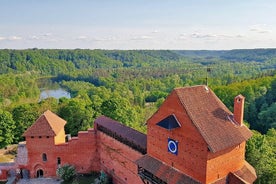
[44,157]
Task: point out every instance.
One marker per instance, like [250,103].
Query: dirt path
[8,154]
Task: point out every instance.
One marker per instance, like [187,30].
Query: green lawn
[85,179]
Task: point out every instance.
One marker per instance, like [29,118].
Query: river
[56,93]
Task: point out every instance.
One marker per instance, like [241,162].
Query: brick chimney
[238,109]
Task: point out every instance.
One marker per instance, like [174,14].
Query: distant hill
[242,55]
[55,61]
[201,53]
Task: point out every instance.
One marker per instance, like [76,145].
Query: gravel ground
[39,181]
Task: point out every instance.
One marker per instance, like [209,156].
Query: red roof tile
[164,172]
[212,118]
[48,124]
[246,174]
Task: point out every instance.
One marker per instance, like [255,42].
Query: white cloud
[82,38]
[142,37]
[46,34]
[34,37]
[11,38]
[15,38]
[43,36]
[103,39]
[200,35]
[209,36]
[260,28]
[155,31]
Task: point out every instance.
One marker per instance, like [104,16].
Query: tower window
[44,157]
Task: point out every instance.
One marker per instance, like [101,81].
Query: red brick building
[192,138]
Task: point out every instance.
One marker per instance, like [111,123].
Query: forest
[129,86]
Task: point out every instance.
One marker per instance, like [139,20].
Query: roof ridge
[48,122]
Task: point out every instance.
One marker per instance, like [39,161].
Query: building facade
[192,138]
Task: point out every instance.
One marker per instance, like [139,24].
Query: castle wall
[5,168]
[79,151]
[118,160]
[90,151]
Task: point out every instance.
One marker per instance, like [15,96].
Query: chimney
[238,109]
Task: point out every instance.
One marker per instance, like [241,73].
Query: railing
[147,177]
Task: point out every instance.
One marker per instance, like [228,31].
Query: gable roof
[211,117]
[48,124]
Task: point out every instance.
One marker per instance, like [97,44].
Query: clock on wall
[172,146]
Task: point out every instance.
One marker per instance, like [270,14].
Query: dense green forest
[129,86]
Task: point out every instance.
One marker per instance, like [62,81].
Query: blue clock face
[172,146]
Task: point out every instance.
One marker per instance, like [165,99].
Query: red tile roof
[246,174]
[164,172]
[212,118]
[48,124]
[125,134]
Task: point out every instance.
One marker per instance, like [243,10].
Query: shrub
[66,172]
[103,179]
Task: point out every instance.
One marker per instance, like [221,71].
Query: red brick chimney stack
[238,109]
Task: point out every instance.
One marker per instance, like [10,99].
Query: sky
[138,24]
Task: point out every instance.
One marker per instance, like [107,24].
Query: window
[32,137]
[58,161]
[39,137]
[44,157]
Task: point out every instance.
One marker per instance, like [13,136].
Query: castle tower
[192,139]
[41,138]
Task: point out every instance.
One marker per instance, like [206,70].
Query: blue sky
[138,24]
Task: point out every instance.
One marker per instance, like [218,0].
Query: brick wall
[118,160]
[90,151]
[80,152]
[192,154]
[221,163]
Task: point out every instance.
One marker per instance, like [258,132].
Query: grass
[82,179]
